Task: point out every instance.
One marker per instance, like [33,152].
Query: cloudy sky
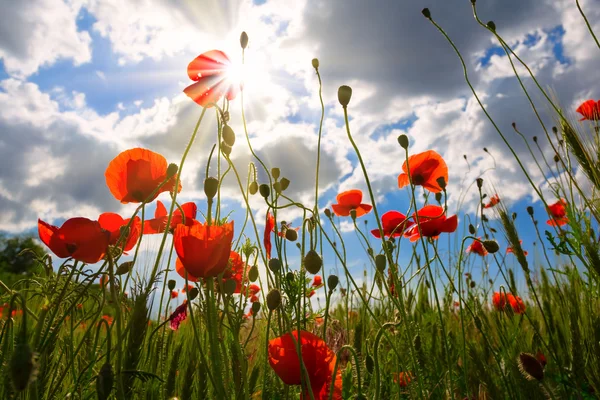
[82,80]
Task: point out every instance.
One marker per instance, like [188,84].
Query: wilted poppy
[113,223]
[178,316]
[509,249]
[159,223]
[135,174]
[493,201]
[80,238]
[394,224]
[433,222]
[348,201]
[558,213]
[477,248]
[174,294]
[425,170]
[235,271]
[204,249]
[317,281]
[499,300]
[212,72]
[318,359]
[402,378]
[516,303]
[269,227]
[590,109]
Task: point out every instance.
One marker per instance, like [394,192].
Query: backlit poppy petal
[425,169]
[350,198]
[348,201]
[50,238]
[161,210]
[113,223]
[181,271]
[590,110]
[269,226]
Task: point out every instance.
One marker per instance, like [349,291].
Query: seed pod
[253,188]
[273,299]
[313,262]
[479,182]
[426,13]
[244,40]
[253,273]
[211,185]
[380,262]
[171,284]
[255,307]
[192,294]
[491,246]
[275,173]
[332,282]
[285,183]
[315,63]
[274,264]
[530,367]
[172,170]
[472,229]
[124,268]
[104,381]
[291,235]
[264,190]
[403,141]
[228,135]
[277,187]
[344,95]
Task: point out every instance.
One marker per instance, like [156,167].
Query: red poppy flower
[212,72]
[253,289]
[318,359]
[204,249]
[477,248]
[178,316]
[425,169]
[108,319]
[80,238]
[113,223]
[254,299]
[285,227]
[493,201]
[590,109]
[174,294]
[509,249]
[402,378]
[516,303]
[558,213]
[499,300]
[235,271]
[310,294]
[181,271]
[269,227]
[189,286]
[433,222]
[317,281]
[348,201]
[159,223]
[135,174]
[393,223]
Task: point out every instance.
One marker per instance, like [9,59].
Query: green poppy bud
[274,264]
[285,182]
[315,63]
[275,172]
[313,262]
[327,213]
[211,185]
[530,210]
[225,148]
[253,188]
[124,268]
[426,13]
[273,299]
[192,294]
[244,40]
[264,190]
[380,262]
[255,308]
[491,246]
[403,141]
[253,273]
[472,229]
[441,182]
[290,277]
[172,170]
[479,182]
[291,235]
[491,25]
[229,286]
[438,197]
[332,282]
[171,284]
[277,187]
[344,95]
[228,135]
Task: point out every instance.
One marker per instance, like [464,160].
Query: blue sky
[88,79]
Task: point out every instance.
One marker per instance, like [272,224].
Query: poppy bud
[344,95]
[555,130]
[104,381]
[274,264]
[277,187]
[438,197]
[327,213]
[491,25]
[403,141]
[370,252]
[171,284]
[253,273]
[313,262]
[441,182]
[290,276]
[255,307]
[484,218]
[253,188]
[285,182]
[479,182]
[514,216]
[370,364]
[225,148]
[472,284]
[472,229]
[473,1]
[172,170]
[275,173]
[264,190]
[485,149]
[244,40]
[556,158]
[315,63]
[491,246]
[225,117]
[426,13]
[530,210]
[332,282]
[23,366]
[291,235]
[228,135]
[273,299]
[530,367]
[124,268]
[229,286]
[211,185]
[380,262]
[535,139]
[514,125]
[192,294]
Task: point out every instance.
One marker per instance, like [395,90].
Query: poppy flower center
[418,180]
[71,247]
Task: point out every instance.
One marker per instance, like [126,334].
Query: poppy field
[451,304]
